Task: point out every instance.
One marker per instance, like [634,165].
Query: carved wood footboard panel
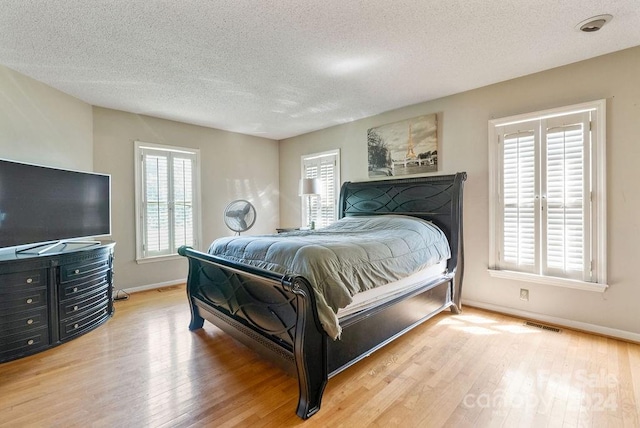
[275,315]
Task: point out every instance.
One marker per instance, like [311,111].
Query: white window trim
[337,182]
[599,233]
[138,147]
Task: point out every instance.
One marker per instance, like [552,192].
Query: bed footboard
[273,314]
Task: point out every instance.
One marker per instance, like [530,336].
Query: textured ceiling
[280,68]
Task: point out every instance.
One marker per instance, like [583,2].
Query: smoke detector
[594,23]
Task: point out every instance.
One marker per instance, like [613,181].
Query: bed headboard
[435,198]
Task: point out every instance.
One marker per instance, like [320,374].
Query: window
[548,209]
[167,199]
[322,209]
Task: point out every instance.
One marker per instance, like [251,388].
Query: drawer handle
[75,326]
[75,289]
[75,308]
[76,271]
[29,300]
[30,342]
[29,280]
[29,321]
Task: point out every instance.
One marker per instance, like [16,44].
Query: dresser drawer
[81,324]
[23,321]
[19,281]
[24,343]
[80,270]
[91,302]
[23,301]
[86,286]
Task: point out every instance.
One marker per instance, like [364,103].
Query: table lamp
[308,188]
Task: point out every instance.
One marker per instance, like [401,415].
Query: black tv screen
[41,204]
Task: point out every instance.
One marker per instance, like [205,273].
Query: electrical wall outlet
[524,294]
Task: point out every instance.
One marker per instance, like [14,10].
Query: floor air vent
[542,326]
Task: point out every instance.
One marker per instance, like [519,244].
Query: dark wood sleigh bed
[276,316]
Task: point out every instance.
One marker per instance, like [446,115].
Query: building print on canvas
[404,148]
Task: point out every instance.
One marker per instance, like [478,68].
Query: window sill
[158,259]
[548,280]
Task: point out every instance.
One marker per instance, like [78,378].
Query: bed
[276,313]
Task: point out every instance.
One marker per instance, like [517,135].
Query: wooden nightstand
[287,229]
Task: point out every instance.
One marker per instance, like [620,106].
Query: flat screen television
[45,205]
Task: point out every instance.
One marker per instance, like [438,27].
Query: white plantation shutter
[310,202]
[325,167]
[546,171]
[519,196]
[166,196]
[567,193]
[183,201]
[327,210]
[156,202]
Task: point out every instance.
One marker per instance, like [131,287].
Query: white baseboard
[153,286]
[576,325]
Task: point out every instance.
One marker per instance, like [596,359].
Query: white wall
[41,125]
[465,116]
[233,166]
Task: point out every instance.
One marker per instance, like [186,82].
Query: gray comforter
[352,255]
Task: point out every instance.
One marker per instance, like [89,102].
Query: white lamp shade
[309,186]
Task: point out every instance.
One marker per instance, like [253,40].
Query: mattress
[385,293]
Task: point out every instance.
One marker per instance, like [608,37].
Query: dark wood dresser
[46,300]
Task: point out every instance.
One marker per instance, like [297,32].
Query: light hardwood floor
[145,368]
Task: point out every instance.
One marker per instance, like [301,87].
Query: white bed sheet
[379,295]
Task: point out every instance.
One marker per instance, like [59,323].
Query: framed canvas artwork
[404,148]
